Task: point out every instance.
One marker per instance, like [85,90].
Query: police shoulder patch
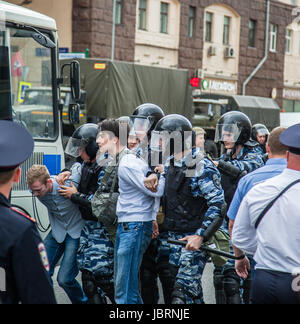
[23,214]
[44,257]
[216,181]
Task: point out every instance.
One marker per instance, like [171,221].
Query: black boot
[219,287]
[232,287]
[90,289]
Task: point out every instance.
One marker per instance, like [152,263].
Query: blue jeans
[68,267]
[132,240]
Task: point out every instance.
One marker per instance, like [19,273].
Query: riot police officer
[24,264]
[95,253]
[260,134]
[192,204]
[142,122]
[241,156]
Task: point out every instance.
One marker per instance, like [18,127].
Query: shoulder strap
[270,204]
[23,214]
[109,171]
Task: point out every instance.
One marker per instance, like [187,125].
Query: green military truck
[115,88]
[209,108]
[35,110]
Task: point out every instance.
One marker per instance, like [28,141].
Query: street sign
[71,55]
[22,87]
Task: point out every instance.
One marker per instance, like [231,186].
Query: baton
[208,249]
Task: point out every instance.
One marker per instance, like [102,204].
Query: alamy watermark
[296,280]
[2,280]
[160,147]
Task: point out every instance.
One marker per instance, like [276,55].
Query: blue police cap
[291,138]
[16,145]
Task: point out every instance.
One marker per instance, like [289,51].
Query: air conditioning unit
[229,52]
[212,51]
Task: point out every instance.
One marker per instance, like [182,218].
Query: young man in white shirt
[136,209]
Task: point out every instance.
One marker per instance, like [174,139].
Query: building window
[208,26]
[288,41]
[164,8]
[273,38]
[119,7]
[226,30]
[291,106]
[142,14]
[191,27]
[252,32]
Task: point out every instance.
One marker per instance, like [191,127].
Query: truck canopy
[115,88]
[259,109]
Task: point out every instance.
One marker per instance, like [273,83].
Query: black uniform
[23,260]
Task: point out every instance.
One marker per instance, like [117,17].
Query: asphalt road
[207,283]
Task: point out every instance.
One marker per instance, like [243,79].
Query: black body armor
[89,178]
[183,212]
[88,186]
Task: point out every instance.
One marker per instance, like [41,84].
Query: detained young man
[66,225]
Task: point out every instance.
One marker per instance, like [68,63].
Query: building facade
[291,88]
[221,41]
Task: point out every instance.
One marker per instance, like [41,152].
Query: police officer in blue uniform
[241,156]
[259,134]
[192,204]
[95,252]
[24,265]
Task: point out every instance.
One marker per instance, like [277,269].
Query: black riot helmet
[259,129]
[84,137]
[234,126]
[175,131]
[145,118]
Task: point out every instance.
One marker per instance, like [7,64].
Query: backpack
[219,241]
[104,204]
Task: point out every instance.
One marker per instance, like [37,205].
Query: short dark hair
[113,126]
[5,176]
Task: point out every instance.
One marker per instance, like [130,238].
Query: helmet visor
[227,133]
[75,146]
[262,131]
[140,125]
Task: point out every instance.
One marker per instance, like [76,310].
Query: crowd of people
[142,180]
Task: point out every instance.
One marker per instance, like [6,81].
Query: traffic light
[195,82]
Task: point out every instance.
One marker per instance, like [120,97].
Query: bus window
[31,84]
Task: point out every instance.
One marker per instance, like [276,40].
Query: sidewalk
[207,283]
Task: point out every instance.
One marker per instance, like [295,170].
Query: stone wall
[271,75]
[92,28]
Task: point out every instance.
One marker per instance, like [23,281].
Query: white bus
[29,59]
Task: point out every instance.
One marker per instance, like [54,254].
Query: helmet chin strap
[227,155]
[230,152]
